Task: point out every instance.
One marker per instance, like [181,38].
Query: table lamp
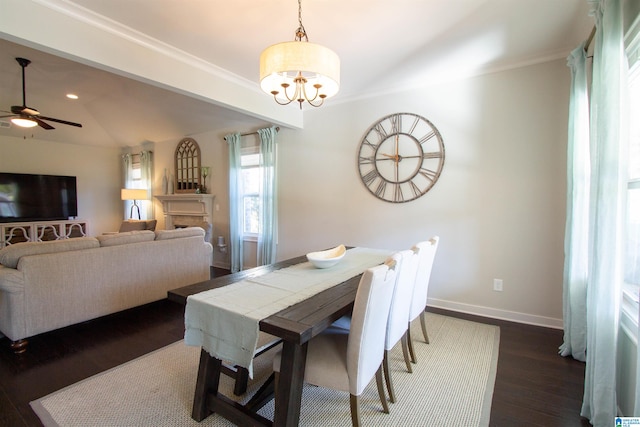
[134,194]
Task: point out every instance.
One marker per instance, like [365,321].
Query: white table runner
[225,321]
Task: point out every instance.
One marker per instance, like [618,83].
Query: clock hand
[397,157]
[397,139]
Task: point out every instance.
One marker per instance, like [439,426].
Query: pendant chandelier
[299,70]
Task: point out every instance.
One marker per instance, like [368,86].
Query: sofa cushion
[126,238]
[137,224]
[10,255]
[179,233]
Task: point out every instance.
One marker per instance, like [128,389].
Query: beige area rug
[452,384]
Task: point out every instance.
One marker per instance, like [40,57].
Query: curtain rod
[590,38]
[254,133]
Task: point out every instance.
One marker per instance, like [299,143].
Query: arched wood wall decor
[187,157]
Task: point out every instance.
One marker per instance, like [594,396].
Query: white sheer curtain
[632,38]
[235,202]
[127,169]
[609,146]
[577,224]
[267,238]
[146,180]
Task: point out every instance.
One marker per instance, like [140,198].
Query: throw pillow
[125,238]
[179,233]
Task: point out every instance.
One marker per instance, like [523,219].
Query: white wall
[97,170]
[499,206]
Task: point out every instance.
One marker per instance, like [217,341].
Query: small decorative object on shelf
[165,183]
[171,185]
[205,173]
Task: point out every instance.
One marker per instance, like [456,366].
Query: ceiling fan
[28,117]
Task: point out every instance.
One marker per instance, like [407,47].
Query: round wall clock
[401,157]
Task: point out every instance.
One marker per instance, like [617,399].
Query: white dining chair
[426,251]
[348,360]
[396,328]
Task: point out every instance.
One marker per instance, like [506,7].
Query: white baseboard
[495,313]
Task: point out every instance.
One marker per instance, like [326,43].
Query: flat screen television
[27,197]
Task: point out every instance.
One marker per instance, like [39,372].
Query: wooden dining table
[295,325]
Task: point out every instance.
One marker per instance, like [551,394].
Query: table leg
[207,382]
[289,387]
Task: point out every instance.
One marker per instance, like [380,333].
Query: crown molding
[93,19]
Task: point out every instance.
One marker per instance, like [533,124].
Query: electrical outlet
[497,285]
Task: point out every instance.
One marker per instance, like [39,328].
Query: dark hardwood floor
[534,385]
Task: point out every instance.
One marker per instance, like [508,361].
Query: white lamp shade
[134,194]
[24,123]
[282,62]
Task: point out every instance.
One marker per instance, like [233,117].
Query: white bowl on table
[328,258]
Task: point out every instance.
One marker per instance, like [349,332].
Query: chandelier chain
[301,32]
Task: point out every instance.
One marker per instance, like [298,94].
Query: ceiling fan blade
[31,113]
[10,115]
[42,124]
[64,122]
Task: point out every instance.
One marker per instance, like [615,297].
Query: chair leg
[355,410]
[423,323]
[405,352]
[387,377]
[383,398]
[410,345]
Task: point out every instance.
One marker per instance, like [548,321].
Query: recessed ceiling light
[72,96]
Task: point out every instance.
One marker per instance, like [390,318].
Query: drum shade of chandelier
[299,70]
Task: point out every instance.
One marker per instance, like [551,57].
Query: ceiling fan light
[24,122]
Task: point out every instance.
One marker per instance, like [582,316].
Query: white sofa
[50,285]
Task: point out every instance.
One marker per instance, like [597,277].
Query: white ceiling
[383,46]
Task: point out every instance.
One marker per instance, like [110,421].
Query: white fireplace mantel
[198,206]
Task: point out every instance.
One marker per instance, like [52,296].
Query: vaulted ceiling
[128,95]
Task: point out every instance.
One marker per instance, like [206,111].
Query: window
[137,175]
[136,171]
[250,164]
